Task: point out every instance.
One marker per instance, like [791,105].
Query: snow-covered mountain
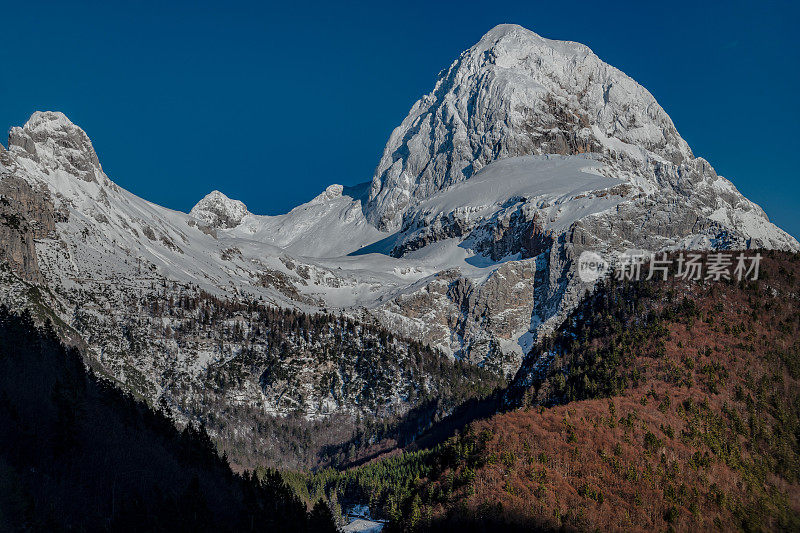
[330,225]
[505,104]
[516,93]
[527,152]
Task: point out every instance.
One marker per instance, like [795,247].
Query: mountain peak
[50,121]
[508,33]
[330,193]
[219,211]
[51,139]
[502,30]
[515,93]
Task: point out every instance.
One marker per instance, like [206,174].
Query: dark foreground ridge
[78,454]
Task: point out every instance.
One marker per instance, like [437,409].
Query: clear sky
[272,103]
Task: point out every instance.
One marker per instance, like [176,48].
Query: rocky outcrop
[516,233]
[481,323]
[219,211]
[52,141]
[25,215]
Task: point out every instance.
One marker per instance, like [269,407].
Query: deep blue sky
[271,103]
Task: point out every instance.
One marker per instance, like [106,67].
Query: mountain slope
[667,405]
[330,225]
[186,317]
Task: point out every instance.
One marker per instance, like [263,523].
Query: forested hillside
[273,386]
[660,405]
[287,388]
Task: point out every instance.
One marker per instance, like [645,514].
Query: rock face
[55,143]
[25,214]
[219,211]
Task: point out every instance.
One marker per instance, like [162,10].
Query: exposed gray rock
[219,211]
[51,140]
[25,214]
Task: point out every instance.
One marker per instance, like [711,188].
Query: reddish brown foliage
[706,440]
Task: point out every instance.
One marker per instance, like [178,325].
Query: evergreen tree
[320,519]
